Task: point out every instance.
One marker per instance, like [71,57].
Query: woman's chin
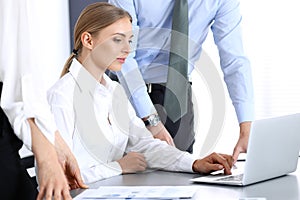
[115,68]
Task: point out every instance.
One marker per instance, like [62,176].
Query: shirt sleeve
[158,154]
[235,65]
[26,102]
[100,171]
[24,93]
[135,88]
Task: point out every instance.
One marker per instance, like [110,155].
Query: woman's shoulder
[64,87]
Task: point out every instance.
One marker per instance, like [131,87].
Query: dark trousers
[15,182]
[182,131]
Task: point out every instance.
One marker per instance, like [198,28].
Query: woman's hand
[133,162]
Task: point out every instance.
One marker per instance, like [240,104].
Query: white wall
[271,39]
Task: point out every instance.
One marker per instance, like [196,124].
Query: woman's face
[112,45]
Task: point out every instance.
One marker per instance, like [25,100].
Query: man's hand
[160,132]
[213,162]
[242,143]
[133,162]
[51,179]
[68,163]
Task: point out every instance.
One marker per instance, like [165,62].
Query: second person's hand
[242,144]
[214,162]
[68,163]
[160,132]
[51,179]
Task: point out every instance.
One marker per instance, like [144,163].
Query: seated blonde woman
[94,115]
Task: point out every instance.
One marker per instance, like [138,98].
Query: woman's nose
[127,48]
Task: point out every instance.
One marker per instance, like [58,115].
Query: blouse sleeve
[158,153]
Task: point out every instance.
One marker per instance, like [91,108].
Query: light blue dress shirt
[152,22]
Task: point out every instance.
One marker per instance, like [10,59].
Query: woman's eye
[118,40]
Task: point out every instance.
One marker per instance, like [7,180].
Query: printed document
[138,192]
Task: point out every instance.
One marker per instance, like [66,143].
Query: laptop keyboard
[238,177]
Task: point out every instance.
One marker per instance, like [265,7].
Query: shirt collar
[76,67]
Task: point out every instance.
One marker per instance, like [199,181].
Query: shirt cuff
[99,172]
[114,169]
[142,103]
[186,162]
[245,112]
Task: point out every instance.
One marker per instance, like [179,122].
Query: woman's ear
[86,40]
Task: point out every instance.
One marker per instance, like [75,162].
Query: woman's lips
[121,60]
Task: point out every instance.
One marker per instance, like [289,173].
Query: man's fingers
[57,195]
[171,142]
[215,167]
[79,180]
[66,195]
[41,194]
[236,154]
[49,194]
[230,159]
[45,194]
[223,161]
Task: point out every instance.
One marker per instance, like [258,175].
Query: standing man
[145,74]
[25,116]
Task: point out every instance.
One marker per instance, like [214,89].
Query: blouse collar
[77,67]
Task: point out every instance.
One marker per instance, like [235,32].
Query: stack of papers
[139,192]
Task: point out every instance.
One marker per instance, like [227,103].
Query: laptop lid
[273,151]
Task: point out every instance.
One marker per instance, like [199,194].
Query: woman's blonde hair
[92,19]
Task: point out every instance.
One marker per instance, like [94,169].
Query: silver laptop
[273,151]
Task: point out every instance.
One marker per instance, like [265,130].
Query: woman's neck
[95,71]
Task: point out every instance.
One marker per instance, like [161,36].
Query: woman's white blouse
[100,126]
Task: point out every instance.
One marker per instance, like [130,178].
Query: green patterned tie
[175,101]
